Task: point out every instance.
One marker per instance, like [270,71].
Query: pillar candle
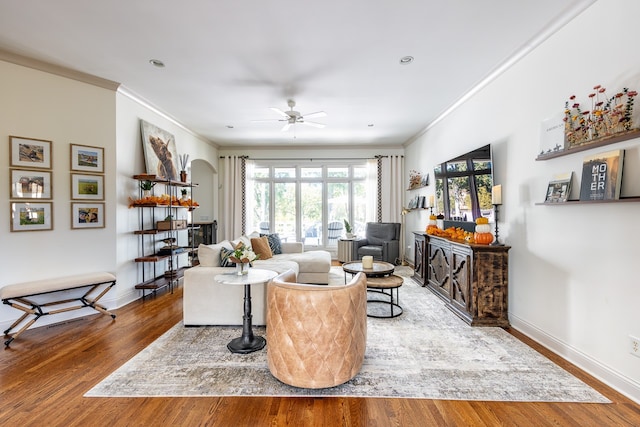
[367,261]
[496,195]
[431,199]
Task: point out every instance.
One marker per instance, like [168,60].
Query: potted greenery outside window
[348,229]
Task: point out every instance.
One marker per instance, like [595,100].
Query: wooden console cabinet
[419,245]
[472,279]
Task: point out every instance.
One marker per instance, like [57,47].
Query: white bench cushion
[50,285]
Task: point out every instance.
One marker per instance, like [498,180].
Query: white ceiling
[227,62]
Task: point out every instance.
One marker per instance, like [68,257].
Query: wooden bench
[20,296]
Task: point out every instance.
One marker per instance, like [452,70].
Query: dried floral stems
[607,116]
[184,160]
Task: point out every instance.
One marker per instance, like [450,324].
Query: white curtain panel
[391,188]
[372,190]
[233,217]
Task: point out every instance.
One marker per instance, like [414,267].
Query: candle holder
[496,242]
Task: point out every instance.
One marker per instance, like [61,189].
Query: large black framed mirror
[463,186]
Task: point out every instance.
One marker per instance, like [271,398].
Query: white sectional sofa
[206,302]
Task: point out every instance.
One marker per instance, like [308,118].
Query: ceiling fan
[293,117]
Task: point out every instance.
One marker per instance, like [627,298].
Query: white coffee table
[248,342]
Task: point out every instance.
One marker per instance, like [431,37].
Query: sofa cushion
[209,255]
[312,261]
[274,243]
[260,246]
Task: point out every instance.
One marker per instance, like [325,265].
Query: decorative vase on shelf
[242,268]
[183,176]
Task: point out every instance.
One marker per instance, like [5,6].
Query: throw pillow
[260,246]
[224,258]
[209,255]
[274,243]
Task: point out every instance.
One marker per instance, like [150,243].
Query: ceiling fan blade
[279,111]
[314,124]
[316,115]
[266,120]
[286,127]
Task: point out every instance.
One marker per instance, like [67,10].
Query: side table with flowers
[243,256]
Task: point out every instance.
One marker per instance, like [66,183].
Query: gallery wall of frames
[31,173]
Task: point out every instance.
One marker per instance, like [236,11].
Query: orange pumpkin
[483,238]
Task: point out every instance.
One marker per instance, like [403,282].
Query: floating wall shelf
[619,137]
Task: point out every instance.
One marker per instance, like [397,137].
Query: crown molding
[58,70]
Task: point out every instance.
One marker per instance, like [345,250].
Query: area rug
[427,352]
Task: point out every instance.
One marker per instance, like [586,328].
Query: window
[463,186]
[308,203]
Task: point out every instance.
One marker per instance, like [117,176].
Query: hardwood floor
[46,371]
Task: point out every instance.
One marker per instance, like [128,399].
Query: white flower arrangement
[243,254]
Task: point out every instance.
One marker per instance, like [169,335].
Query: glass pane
[484,183]
[459,166]
[459,199]
[285,210]
[439,208]
[311,172]
[338,210]
[360,172]
[311,206]
[481,165]
[284,172]
[259,172]
[338,172]
[258,215]
[359,208]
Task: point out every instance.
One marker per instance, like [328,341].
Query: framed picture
[30,184]
[87,187]
[559,188]
[87,215]
[87,159]
[30,153]
[160,153]
[31,216]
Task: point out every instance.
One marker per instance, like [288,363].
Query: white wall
[43,106]
[572,269]
[130,158]
[40,105]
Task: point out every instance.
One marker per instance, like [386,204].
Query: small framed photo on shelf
[425,180]
[30,184]
[87,159]
[29,152]
[31,216]
[87,187]
[559,188]
[87,215]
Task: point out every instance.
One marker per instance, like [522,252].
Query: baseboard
[610,377]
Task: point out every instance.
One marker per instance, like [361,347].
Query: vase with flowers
[243,256]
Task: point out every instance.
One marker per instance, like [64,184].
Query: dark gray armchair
[382,241]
